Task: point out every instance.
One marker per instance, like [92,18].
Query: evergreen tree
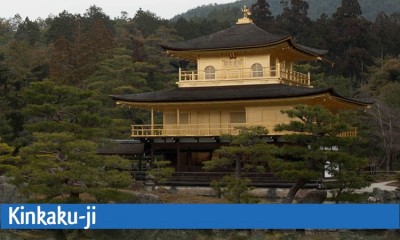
[62,25]
[262,16]
[72,62]
[348,9]
[148,22]
[28,31]
[248,152]
[316,136]
[294,19]
[350,42]
[8,160]
[60,162]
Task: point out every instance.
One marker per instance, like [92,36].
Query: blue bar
[200,216]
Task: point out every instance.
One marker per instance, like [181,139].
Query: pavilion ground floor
[187,156]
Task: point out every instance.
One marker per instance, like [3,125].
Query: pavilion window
[184,118]
[238,117]
[210,72]
[257,70]
[171,118]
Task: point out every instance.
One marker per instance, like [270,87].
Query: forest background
[56,75]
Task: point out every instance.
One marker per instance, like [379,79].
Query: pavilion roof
[239,36]
[230,93]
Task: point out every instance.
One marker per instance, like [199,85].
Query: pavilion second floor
[216,111]
[216,123]
[255,75]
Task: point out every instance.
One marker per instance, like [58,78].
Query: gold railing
[272,74]
[191,129]
[187,130]
[352,133]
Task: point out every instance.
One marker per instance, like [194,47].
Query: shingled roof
[239,36]
[227,93]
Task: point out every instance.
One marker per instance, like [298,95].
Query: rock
[8,192]
[384,196]
[378,194]
[397,193]
[271,193]
[146,198]
[316,196]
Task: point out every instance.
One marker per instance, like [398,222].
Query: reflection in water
[202,234]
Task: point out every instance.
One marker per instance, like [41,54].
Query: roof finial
[246,13]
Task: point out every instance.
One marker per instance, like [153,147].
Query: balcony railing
[268,75]
[188,130]
[352,133]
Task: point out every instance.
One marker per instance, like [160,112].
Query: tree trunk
[338,195]
[293,191]
[238,167]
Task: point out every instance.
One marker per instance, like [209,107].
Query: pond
[203,235]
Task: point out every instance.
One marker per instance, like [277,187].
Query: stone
[315,196]
[8,192]
[271,193]
[146,197]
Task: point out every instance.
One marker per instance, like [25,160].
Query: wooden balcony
[206,130]
[229,77]
[187,130]
[352,133]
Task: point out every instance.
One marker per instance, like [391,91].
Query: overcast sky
[43,8]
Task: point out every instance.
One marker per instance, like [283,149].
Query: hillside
[230,11]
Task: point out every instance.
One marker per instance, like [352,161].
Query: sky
[43,8]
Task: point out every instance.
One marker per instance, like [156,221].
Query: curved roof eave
[289,39]
[317,53]
[171,48]
[254,92]
[333,92]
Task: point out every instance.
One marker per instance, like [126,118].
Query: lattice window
[257,70]
[210,72]
[238,117]
[233,64]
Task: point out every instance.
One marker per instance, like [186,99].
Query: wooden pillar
[278,68]
[178,156]
[152,122]
[178,120]
[152,151]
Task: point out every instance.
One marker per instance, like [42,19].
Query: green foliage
[370,9]
[311,149]
[8,161]
[160,171]
[109,195]
[235,190]
[62,162]
[248,151]
[148,22]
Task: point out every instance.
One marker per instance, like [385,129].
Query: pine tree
[60,163]
[247,151]
[316,136]
[294,19]
[8,160]
[348,9]
[262,16]
[350,42]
